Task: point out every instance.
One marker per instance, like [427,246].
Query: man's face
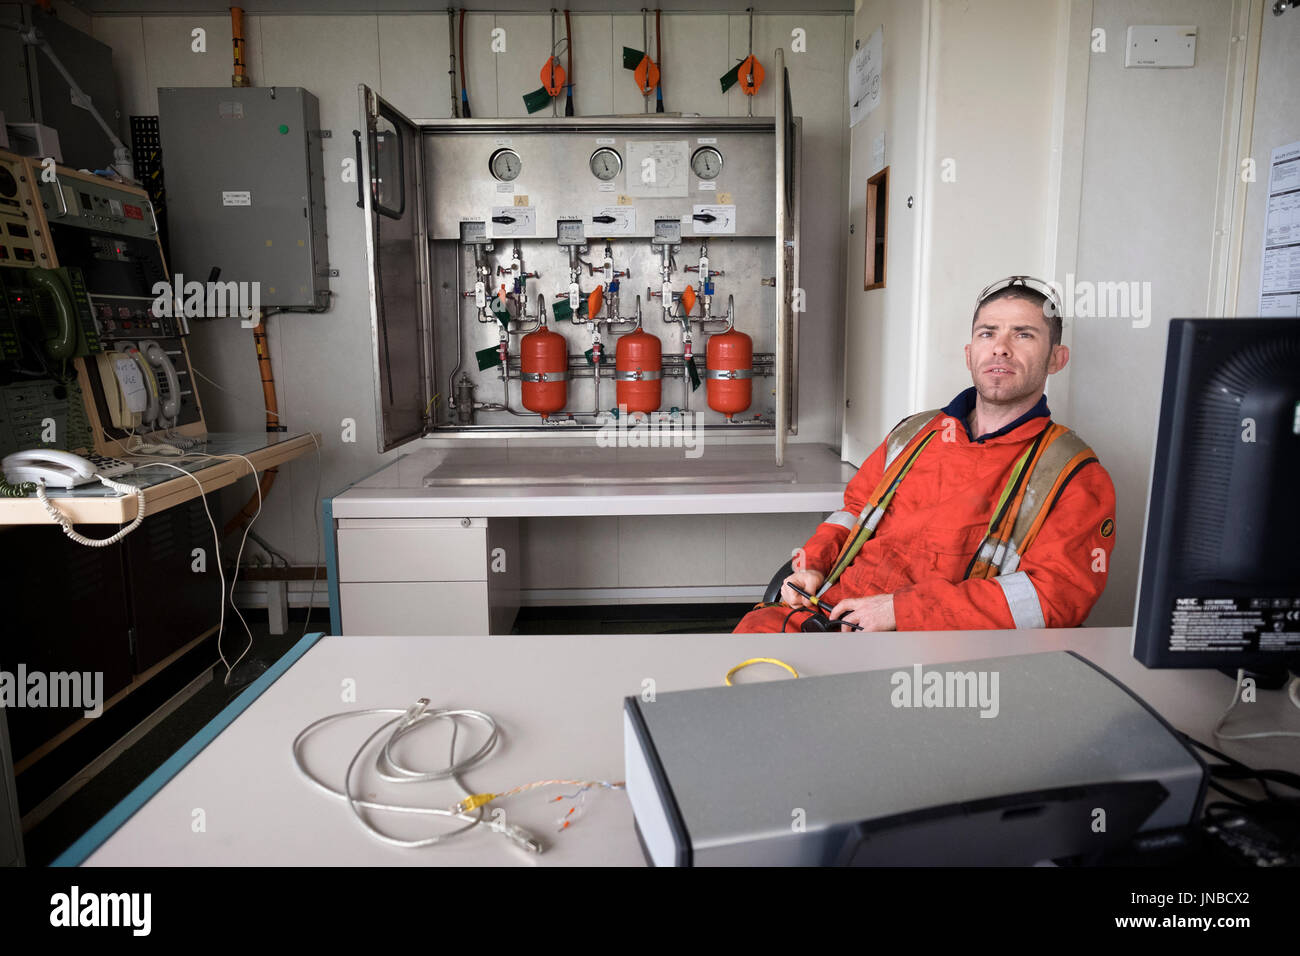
[1010,354]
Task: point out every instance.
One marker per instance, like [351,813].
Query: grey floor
[79,812]
[45,841]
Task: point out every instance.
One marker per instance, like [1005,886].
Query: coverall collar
[961,407]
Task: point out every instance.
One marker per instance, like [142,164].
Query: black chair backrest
[773,592]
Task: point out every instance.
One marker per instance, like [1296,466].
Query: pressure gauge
[606,163]
[506,165]
[707,162]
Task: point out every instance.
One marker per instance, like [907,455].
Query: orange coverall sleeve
[822,548]
[1066,566]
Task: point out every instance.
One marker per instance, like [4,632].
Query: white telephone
[139,398]
[171,404]
[60,469]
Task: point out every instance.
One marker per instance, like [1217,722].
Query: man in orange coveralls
[911,574]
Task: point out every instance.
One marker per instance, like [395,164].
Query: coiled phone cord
[21,490]
[62,520]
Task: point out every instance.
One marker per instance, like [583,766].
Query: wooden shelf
[158,497]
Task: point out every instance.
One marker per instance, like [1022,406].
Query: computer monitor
[1220,571]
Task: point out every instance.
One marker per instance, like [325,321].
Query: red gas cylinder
[729,371]
[544,370]
[638,371]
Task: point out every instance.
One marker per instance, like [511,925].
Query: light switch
[1160,47]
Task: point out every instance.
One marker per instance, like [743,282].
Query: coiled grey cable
[388,768]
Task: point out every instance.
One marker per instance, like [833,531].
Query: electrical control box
[246,189]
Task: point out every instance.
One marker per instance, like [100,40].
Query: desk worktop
[163,487]
[558,701]
[527,481]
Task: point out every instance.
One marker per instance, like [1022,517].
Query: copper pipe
[240,76]
[272,425]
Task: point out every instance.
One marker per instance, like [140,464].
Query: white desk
[812,479]
[558,701]
[599,525]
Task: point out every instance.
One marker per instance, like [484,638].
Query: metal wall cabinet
[455,200]
[246,189]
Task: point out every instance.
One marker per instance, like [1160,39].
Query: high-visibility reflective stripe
[842,518]
[874,518]
[1022,599]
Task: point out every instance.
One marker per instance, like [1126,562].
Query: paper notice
[864,78]
[1279,274]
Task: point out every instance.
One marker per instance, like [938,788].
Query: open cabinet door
[787,235]
[391,188]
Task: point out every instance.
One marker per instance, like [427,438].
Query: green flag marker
[487,358]
[560,309]
[503,317]
[693,372]
[536,100]
[632,58]
[731,77]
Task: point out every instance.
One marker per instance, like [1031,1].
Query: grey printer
[1005,761]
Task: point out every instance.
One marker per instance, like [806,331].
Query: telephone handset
[59,469]
[130,389]
[62,342]
[157,356]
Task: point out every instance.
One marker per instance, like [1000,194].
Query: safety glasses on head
[1050,308]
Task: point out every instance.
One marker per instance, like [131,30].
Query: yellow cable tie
[759,660]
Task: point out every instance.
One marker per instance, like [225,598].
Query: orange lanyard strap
[1008,507]
[1085,457]
[875,509]
[1009,521]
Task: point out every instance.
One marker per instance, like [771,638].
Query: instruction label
[657,169]
[624,223]
[712,220]
[237,198]
[133,388]
[1232,625]
[514,221]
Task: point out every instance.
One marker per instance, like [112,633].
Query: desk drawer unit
[427,575]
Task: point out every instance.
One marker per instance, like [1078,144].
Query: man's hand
[874,613]
[810,581]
